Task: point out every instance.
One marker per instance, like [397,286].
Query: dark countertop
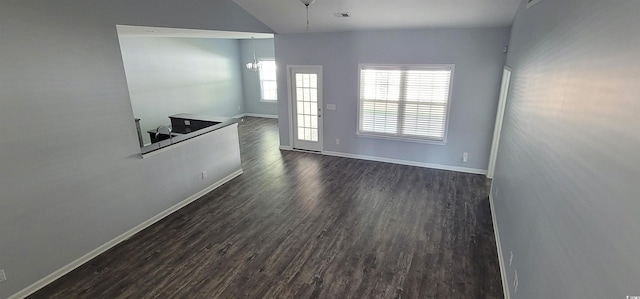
[221,120]
[201,117]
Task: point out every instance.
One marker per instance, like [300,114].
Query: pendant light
[253,66]
[306,4]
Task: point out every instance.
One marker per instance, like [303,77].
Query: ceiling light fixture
[253,66]
[306,4]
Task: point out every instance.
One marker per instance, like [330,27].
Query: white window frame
[262,99]
[360,133]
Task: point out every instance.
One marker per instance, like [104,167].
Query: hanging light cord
[253,47]
[307,5]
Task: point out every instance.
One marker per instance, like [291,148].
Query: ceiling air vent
[532,3]
[341,14]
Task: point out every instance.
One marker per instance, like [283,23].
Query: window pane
[307,108]
[300,108]
[313,95]
[428,85]
[313,80]
[299,80]
[380,84]
[306,94]
[269,86]
[379,117]
[305,80]
[423,91]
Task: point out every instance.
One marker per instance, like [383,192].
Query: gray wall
[478,58]
[70,176]
[181,75]
[567,192]
[251,80]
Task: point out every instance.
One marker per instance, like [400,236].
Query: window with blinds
[268,84]
[405,101]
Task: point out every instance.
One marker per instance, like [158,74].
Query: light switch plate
[331,106]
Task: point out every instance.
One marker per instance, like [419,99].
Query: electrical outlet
[465,157]
[204,174]
[3,276]
[337,141]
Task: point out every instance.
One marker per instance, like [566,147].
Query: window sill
[269,101]
[404,139]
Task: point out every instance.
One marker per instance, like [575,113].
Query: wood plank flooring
[302,225]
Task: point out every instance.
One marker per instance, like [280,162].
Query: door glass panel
[307,104]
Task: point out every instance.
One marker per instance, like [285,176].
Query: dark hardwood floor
[302,225]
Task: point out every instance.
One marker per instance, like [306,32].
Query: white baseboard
[406,162]
[395,161]
[503,271]
[128,234]
[256,115]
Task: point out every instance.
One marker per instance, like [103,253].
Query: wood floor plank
[302,225]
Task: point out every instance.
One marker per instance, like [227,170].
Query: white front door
[306,104]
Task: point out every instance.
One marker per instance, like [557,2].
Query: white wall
[167,76]
[566,189]
[70,176]
[478,58]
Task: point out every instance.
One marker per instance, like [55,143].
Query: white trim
[318,69]
[497,129]
[255,115]
[503,271]
[128,234]
[394,161]
[260,115]
[406,162]
[289,104]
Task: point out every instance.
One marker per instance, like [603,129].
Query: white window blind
[409,102]
[268,84]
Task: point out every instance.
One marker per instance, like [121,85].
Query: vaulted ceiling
[289,16]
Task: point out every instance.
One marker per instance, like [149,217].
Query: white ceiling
[289,16]
[143,31]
